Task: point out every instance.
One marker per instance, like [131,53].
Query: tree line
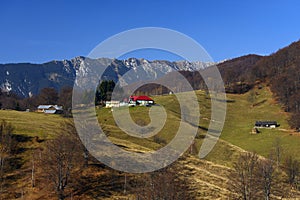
[47,96]
[50,96]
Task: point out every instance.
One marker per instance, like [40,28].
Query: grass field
[241,116]
[242,112]
[31,123]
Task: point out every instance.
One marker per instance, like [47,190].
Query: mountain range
[26,79]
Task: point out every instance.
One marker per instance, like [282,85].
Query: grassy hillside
[242,112]
[258,104]
[32,124]
[208,177]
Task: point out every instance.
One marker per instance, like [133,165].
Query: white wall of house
[144,102]
[110,104]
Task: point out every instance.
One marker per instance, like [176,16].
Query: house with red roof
[141,100]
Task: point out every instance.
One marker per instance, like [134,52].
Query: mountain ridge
[27,79]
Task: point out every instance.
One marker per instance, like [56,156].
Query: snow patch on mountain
[6,86]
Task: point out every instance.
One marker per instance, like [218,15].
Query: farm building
[141,100]
[266,124]
[50,109]
[111,104]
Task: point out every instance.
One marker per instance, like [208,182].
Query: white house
[111,104]
[50,109]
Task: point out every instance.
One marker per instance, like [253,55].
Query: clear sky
[39,31]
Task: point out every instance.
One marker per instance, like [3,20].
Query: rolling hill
[207,178]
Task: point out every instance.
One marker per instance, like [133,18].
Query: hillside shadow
[18,148]
[99,183]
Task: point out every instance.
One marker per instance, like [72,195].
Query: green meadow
[242,112]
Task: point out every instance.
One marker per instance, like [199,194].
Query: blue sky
[39,31]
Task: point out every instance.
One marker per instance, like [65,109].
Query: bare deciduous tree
[257,178]
[164,184]
[65,100]
[61,161]
[277,150]
[243,176]
[266,172]
[48,96]
[292,168]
